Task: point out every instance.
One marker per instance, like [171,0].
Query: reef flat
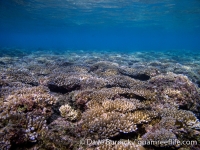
[99,100]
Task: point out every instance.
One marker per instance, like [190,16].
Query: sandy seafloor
[60,100]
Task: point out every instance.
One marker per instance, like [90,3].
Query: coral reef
[176,90]
[68,112]
[112,93]
[65,83]
[36,100]
[54,101]
[61,135]
[22,76]
[20,128]
[23,116]
[109,118]
[187,118]
[174,125]
[159,137]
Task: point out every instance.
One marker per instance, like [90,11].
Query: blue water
[100,24]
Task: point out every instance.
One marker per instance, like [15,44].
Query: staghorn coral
[110,72]
[34,126]
[40,70]
[44,60]
[107,69]
[143,74]
[93,83]
[68,112]
[4,61]
[168,123]
[78,68]
[23,116]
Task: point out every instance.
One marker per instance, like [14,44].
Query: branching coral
[176,90]
[105,68]
[109,118]
[23,116]
[54,102]
[159,138]
[36,100]
[122,105]
[22,76]
[107,124]
[20,128]
[112,93]
[69,113]
[174,125]
[65,83]
[187,118]
[34,125]
[122,81]
[61,135]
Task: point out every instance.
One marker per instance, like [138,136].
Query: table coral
[22,76]
[109,119]
[36,100]
[176,90]
[159,138]
[187,118]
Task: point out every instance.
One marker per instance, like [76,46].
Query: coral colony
[99,101]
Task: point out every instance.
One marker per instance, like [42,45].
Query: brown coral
[109,119]
[113,93]
[22,76]
[117,99]
[121,105]
[36,100]
[187,118]
[20,128]
[68,112]
[159,138]
[176,90]
[64,83]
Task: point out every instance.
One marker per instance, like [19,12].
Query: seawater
[99,74]
[100,25]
